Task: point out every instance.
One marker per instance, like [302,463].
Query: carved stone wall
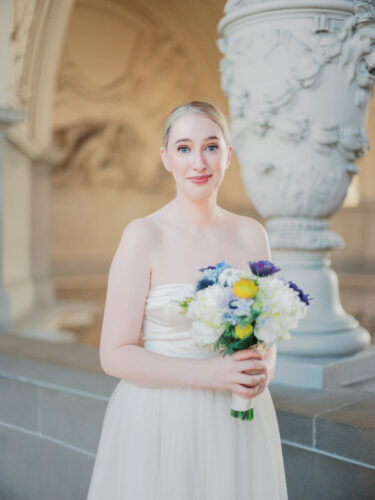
[299,76]
[95,79]
[104,155]
[287,69]
[123,68]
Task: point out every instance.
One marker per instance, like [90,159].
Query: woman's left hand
[261,387]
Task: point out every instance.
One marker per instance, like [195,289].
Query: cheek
[178,172]
[180,166]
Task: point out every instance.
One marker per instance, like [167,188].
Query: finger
[261,388]
[249,365]
[256,372]
[247,353]
[250,380]
[245,392]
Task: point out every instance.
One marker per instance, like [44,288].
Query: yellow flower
[184,305]
[245,289]
[242,332]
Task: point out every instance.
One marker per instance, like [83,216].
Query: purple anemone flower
[204,268]
[228,301]
[304,297]
[220,266]
[263,267]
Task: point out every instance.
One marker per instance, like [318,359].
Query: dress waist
[167,336]
[181,345]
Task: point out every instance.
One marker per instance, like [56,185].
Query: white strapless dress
[182,443]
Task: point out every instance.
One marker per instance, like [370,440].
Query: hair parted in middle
[201,108]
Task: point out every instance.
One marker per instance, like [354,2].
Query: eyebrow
[206,139]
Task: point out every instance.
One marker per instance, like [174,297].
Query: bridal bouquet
[236,309]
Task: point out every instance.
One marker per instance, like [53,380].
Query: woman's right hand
[243,372]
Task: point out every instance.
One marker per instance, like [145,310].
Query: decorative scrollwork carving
[101,155]
[298,60]
[298,82]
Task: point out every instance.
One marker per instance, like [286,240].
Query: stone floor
[48,392]
[329,433]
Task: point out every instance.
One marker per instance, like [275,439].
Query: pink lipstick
[200,179]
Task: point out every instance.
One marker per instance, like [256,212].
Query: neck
[198,214]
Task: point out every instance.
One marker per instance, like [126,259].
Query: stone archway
[35,39]
[97,78]
[63,94]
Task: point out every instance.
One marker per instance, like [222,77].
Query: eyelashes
[215,146]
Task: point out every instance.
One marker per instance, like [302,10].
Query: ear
[163,155]
[229,156]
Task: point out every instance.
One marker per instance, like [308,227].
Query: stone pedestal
[298,75]
[328,372]
[327,330]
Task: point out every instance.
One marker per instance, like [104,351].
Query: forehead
[193,126]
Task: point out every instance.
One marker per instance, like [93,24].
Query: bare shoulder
[248,224]
[144,234]
[252,226]
[135,245]
[140,229]
[252,234]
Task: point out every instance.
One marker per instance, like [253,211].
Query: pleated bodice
[165,330]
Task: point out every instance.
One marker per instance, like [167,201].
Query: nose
[199,161]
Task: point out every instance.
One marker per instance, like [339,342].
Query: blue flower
[263,267]
[220,266]
[204,283]
[230,318]
[212,272]
[304,297]
[243,307]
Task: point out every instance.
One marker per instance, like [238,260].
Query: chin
[200,194]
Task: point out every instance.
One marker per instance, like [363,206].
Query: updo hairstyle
[200,108]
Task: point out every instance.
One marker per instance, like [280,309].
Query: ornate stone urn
[299,75]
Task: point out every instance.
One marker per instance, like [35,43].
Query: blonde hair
[201,108]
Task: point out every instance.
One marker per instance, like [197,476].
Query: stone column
[31,39]
[7,118]
[299,75]
[44,289]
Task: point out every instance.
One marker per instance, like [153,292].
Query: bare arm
[150,369]
[127,289]
[120,353]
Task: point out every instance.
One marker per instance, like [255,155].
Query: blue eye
[215,146]
[182,147]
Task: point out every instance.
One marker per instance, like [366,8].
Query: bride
[167,432]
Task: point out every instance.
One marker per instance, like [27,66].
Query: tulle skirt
[183,444]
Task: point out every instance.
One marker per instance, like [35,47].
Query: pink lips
[200,179]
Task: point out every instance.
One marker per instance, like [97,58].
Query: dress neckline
[166,285]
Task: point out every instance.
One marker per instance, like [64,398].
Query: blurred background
[97,93]
[85,88]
